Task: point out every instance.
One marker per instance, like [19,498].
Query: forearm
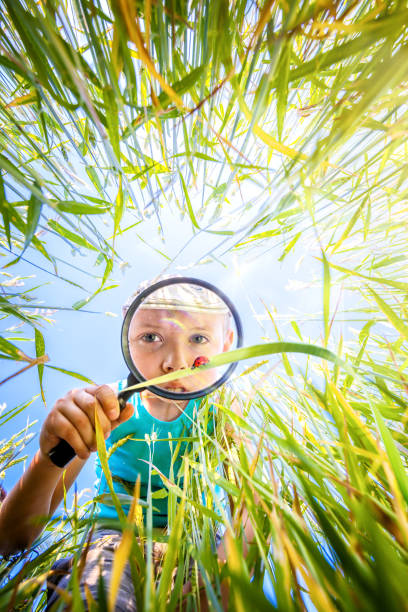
[68,477]
[41,488]
[30,498]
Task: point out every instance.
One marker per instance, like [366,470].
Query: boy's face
[162,341]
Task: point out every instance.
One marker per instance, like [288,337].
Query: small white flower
[123,265]
[13,282]
[14,327]
[3,407]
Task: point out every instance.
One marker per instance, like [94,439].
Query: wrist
[42,461]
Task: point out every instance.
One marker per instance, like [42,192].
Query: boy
[171,329]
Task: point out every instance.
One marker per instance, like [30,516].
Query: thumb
[125,415]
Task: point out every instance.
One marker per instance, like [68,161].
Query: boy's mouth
[175,388]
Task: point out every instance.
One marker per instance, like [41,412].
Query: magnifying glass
[175,325]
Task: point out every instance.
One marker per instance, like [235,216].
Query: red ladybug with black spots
[199,361]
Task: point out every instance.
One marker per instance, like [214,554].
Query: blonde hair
[179,296]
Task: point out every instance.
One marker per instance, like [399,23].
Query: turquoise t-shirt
[150,445]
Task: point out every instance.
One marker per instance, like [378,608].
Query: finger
[91,389]
[107,396]
[109,401]
[68,432]
[80,421]
[126,413]
[89,404]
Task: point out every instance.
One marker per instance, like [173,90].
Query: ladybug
[199,361]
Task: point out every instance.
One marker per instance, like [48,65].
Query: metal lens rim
[125,337]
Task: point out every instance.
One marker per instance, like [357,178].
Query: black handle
[123,397]
[63,453]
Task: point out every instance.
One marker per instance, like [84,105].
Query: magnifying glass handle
[123,397]
[61,454]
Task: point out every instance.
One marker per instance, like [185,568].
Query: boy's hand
[73,419]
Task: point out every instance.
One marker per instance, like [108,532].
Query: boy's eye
[150,337]
[198,339]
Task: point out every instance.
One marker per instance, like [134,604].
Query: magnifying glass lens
[177,327]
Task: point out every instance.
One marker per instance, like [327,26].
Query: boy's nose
[175,360]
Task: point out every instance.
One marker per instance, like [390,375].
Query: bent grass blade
[257,350]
